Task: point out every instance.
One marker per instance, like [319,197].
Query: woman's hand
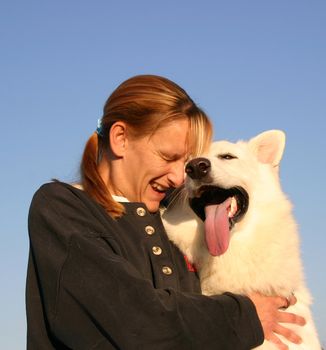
[270,315]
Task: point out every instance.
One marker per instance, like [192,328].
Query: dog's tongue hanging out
[217,229]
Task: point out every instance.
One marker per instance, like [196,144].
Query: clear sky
[251,65]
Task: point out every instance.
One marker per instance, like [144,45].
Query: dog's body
[260,252]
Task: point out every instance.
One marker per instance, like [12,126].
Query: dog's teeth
[233,207]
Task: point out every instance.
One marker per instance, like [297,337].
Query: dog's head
[220,185]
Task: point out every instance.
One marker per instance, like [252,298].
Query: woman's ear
[118,138]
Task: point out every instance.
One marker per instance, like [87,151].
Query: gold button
[167,270]
[141,211]
[149,230]
[157,250]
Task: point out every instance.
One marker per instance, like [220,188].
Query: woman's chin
[153,201]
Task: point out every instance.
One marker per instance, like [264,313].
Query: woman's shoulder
[65,203]
[57,188]
[58,192]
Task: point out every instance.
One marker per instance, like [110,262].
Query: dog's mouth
[220,209]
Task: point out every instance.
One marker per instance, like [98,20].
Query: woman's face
[153,164]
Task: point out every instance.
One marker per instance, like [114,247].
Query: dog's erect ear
[268,146]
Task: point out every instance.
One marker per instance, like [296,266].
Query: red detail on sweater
[190,266]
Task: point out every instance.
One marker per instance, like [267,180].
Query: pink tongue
[217,227]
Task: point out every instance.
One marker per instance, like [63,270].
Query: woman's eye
[167,158]
[226,156]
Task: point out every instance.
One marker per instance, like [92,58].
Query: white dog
[244,237]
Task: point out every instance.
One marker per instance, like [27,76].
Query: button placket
[162,263]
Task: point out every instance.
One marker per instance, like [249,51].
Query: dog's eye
[226,156]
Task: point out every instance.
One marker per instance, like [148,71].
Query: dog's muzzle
[208,193]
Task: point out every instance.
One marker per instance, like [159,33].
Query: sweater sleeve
[93,298]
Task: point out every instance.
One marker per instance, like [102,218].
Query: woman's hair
[145,103]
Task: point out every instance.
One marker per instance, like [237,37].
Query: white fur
[264,252]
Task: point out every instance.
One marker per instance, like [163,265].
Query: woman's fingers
[288,317]
[288,334]
[275,319]
[273,338]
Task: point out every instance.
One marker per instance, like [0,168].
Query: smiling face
[149,166]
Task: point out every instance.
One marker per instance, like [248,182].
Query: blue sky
[251,65]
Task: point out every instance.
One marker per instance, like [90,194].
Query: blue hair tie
[99,129]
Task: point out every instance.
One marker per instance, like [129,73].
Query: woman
[102,273]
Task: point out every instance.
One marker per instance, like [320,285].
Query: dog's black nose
[198,168]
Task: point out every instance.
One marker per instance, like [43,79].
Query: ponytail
[92,181]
